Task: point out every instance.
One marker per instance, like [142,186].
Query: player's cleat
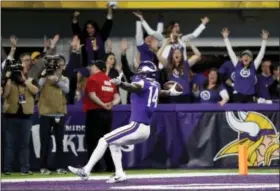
[116,178]
[79,172]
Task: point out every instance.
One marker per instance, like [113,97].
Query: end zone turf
[186,181]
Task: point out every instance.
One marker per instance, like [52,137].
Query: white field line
[138,176]
[197,186]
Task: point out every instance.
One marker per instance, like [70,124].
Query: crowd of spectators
[237,80]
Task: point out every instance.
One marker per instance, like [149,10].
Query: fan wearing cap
[147,44]
[37,58]
[99,97]
[52,108]
[245,69]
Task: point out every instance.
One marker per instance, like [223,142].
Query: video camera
[51,64]
[15,68]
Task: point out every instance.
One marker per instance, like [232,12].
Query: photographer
[52,109]
[18,108]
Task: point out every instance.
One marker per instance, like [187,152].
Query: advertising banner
[180,139]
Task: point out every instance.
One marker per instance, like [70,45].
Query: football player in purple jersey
[144,98]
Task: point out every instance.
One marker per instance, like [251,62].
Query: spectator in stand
[178,69]
[274,88]
[37,58]
[147,45]
[93,37]
[212,91]
[110,61]
[74,69]
[245,69]
[173,32]
[265,79]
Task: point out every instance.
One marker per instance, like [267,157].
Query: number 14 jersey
[144,102]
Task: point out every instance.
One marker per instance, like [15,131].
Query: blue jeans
[17,134]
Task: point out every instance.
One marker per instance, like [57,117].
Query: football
[169,84]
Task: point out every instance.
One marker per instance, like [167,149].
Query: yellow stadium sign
[140,4]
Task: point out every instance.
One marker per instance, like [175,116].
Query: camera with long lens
[15,68]
[51,64]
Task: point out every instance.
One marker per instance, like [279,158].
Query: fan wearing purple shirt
[245,69]
[265,79]
[274,88]
[212,91]
[178,69]
[92,37]
[147,45]
[227,71]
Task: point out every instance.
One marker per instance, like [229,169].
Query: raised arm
[13,41]
[160,25]
[148,29]
[76,30]
[160,56]
[125,66]
[232,55]
[108,25]
[139,34]
[197,31]
[197,55]
[260,56]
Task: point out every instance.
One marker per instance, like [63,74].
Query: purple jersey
[210,95]
[144,102]
[245,79]
[262,86]
[183,80]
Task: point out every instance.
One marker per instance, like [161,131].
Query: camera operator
[52,109]
[18,108]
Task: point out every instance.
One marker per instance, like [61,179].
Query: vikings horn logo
[255,131]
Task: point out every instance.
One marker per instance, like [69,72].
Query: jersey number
[153,97]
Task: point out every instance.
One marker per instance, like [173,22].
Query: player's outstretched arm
[131,87]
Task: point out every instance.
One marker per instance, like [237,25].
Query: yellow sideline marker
[242,160]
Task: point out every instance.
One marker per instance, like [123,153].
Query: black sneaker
[26,173]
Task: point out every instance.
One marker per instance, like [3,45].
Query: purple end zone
[254,182]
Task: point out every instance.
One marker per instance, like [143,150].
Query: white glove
[173,91]
[118,80]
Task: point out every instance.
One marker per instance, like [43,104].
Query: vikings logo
[255,131]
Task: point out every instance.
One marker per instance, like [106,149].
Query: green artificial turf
[144,171]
